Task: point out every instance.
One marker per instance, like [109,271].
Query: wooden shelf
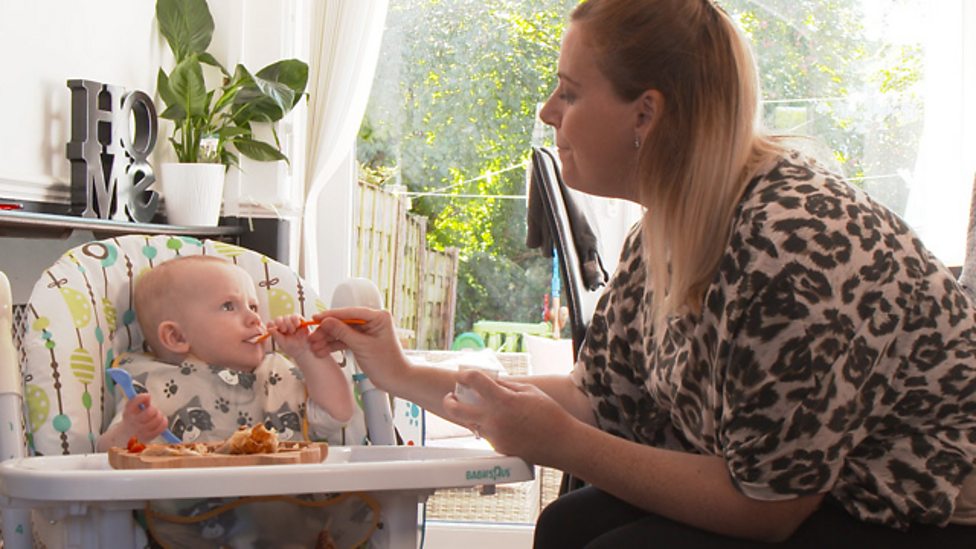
[38,239]
[45,225]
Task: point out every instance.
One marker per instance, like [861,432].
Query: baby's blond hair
[159,292]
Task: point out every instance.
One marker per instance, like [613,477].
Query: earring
[636,142]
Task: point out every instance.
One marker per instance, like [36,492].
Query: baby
[208,375]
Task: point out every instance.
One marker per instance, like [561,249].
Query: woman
[777,357]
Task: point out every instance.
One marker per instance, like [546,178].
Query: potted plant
[213,126]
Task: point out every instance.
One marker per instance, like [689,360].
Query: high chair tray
[89,477]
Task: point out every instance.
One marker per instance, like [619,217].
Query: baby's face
[219,316]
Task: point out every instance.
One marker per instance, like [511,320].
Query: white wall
[46,42]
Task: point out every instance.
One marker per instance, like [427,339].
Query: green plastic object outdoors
[468,340]
[508,336]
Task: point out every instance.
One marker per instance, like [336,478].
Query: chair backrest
[81,317]
[555,198]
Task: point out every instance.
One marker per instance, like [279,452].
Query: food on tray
[193,449]
[247,446]
[246,440]
[135,446]
[256,440]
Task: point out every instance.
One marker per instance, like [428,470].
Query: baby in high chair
[208,375]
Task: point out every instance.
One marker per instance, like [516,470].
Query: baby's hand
[290,334]
[145,424]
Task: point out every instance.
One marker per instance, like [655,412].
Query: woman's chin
[577,182]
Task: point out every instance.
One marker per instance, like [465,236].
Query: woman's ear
[649,107]
[172,338]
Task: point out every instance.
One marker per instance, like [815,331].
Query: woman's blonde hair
[705,145]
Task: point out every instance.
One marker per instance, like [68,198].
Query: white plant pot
[193,193]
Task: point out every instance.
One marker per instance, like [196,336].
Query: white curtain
[941,184]
[345,44]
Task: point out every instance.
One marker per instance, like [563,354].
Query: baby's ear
[171,337]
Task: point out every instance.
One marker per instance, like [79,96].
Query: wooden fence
[418,284]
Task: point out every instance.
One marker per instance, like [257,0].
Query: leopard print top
[834,353]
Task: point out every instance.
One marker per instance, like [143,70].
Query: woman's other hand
[518,419]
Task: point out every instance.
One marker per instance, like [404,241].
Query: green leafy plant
[213,125]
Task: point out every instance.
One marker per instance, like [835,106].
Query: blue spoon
[124,380]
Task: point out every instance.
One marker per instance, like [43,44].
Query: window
[453,110]
[880,84]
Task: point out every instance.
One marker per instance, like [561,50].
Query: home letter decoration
[112,134]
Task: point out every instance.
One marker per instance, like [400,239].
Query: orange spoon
[307,323]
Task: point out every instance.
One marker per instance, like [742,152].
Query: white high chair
[79,319]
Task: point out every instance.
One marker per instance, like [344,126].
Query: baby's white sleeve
[321,424]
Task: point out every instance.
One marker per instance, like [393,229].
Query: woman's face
[595,129]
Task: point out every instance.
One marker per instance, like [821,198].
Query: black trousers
[592,519]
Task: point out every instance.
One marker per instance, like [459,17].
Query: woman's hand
[374,344]
[518,419]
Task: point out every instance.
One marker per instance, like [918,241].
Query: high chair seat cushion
[81,317]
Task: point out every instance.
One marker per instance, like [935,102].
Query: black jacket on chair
[555,222]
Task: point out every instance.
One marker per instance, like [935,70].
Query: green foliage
[210,125]
[378,176]
[493,283]
[457,104]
